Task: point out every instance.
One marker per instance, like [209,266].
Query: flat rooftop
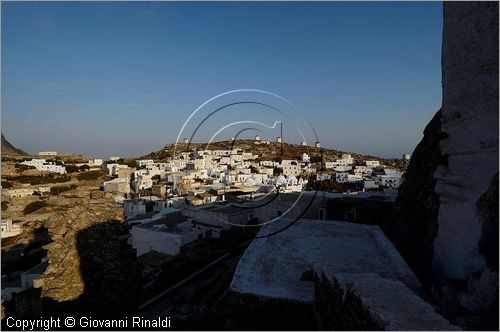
[170,223]
[273,266]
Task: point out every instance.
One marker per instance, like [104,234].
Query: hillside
[10,150]
[271,151]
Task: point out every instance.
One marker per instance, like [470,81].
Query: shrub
[72,168]
[24,167]
[58,190]
[84,168]
[31,179]
[90,175]
[315,159]
[34,206]
[131,163]
[6,184]
[277,171]
[5,205]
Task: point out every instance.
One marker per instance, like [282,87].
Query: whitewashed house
[372,163]
[9,229]
[20,192]
[341,177]
[165,235]
[119,185]
[145,162]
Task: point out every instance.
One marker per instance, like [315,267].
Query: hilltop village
[167,205]
[160,198]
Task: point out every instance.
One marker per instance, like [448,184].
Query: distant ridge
[9,149]
[270,151]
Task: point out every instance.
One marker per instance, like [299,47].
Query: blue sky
[120,78]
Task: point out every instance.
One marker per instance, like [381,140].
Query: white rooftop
[273,266]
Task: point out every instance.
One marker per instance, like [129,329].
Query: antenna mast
[281,123]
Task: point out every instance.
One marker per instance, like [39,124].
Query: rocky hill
[270,151]
[10,150]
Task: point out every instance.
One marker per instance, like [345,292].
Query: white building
[345,168]
[305,157]
[20,192]
[370,184]
[25,280]
[42,190]
[120,185]
[43,165]
[390,181]
[47,153]
[353,178]
[95,162]
[341,177]
[52,167]
[372,163]
[291,169]
[142,181]
[363,170]
[323,176]
[219,217]
[268,163]
[329,164]
[145,162]
[347,158]
[9,229]
[166,235]
[133,208]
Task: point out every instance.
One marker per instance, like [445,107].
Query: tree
[277,171]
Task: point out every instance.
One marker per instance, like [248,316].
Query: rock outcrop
[470,122]
[412,224]
[452,243]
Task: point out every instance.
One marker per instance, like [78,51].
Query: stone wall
[368,301]
[91,269]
